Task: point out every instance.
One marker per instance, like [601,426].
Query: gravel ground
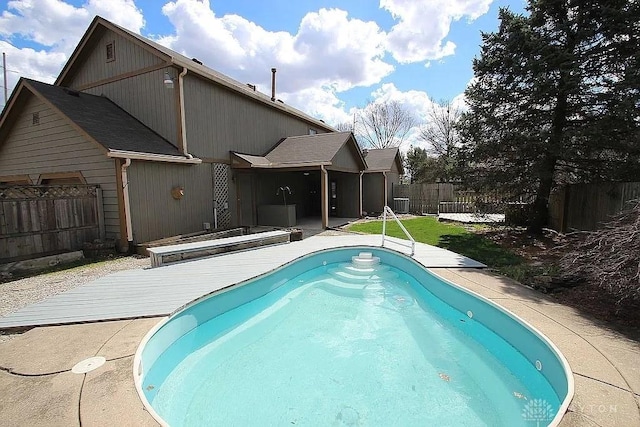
[22,292]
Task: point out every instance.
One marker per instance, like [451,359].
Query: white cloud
[415,101]
[322,103]
[330,53]
[55,23]
[329,50]
[35,64]
[423,26]
[56,26]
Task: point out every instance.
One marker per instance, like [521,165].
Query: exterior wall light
[168,81]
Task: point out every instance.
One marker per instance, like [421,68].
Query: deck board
[160,291]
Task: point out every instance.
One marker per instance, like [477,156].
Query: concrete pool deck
[37,386]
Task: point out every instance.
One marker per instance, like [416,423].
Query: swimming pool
[321,341]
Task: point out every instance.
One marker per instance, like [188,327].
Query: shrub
[609,257]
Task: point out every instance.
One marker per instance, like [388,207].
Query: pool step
[376,276]
[365,260]
[362,271]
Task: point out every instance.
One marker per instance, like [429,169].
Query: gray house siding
[345,160]
[219,120]
[372,192]
[155,213]
[393,178]
[146,98]
[53,146]
[129,57]
[348,200]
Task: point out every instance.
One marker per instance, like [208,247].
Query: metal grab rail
[386,210]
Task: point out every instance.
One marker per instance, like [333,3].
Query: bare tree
[440,132]
[384,125]
[345,127]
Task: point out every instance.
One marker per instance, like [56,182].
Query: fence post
[100,210]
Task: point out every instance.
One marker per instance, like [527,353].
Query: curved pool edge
[564,406]
[138,369]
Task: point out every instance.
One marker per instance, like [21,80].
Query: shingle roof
[254,160]
[304,150]
[316,148]
[104,121]
[381,159]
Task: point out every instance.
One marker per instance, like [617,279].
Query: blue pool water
[324,343]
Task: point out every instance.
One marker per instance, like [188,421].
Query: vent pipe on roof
[273,84]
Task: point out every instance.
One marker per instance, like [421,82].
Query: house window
[35,118]
[312,131]
[111,52]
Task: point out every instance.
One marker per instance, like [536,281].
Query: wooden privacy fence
[444,198]
[587,206]
[424,198]
[472,202]
[41,219]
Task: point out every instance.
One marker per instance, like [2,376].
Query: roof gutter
[290,165]
[136,155]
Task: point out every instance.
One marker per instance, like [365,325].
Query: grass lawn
[449,236]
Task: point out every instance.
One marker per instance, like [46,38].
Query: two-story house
[173,144]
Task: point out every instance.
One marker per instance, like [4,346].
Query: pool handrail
[386,210]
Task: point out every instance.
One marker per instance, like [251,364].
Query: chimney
[273,84]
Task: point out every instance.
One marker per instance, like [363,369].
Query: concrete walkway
[37,387]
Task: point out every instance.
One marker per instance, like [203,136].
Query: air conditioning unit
[401,205]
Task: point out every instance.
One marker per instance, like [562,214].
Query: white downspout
[385,187]
[361,173]
[183,120]
[127,205]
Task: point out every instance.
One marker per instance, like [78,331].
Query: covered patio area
[303,177]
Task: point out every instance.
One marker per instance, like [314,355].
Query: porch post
[385,188]
[360,212]
[324,193]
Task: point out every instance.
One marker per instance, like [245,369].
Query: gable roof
[306,150]
[97,117]
[175,58]
[382,159]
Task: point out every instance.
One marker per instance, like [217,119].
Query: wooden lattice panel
[37,192]
[221,193]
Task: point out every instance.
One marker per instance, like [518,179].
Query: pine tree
[555,99]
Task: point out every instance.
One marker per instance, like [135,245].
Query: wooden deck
[160,291]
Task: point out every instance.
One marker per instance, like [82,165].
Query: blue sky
[333,56]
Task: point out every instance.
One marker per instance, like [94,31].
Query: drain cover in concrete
[88,365]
